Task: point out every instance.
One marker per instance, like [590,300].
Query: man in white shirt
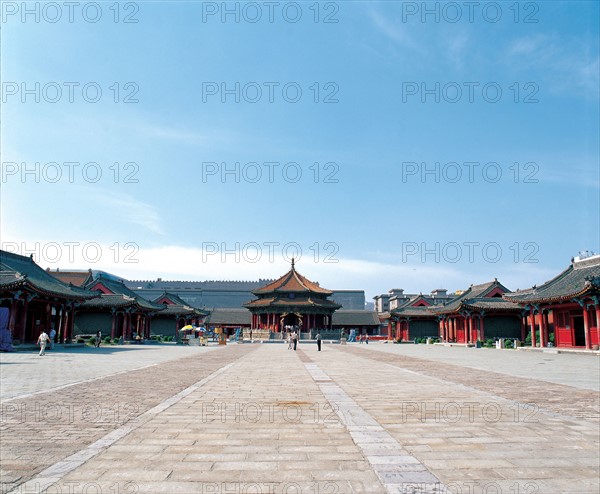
[42,340]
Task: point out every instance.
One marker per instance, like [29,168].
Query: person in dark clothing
[295,339]
[319,342]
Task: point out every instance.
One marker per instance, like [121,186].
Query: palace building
[565,309]
[36,300]
[292,301]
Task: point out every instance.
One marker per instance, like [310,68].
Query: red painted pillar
[66,320]
[125,321]
[543,330]
[113,325]
[532,315]
[389,330]
[71,323]
[597,324]
[14,306]
[586,327]
[24,321]
[481,333]
[470,323]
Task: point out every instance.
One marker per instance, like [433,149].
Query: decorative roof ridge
[587,262]
[535,288]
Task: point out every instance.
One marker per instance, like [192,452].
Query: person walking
[367,338]
[295,339]
[98,338]
[289,338]
[51,337]
[319,342]
[42,341]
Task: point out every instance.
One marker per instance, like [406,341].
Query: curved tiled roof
[292,281]
[355,318]
[490,304]
[77,278]
[410,311]
[580,278]
[22,272]
[109,302]
[474,294]
[229,317]
[118,288]
[296,302]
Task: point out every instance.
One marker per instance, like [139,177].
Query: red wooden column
[586,327]
[12,319]
[71,323]
[65,328]
[481,333]
[24,320]
[390,330]
[597,323]
[543,337]
[125,322]
[470,319]
[532,315]
[114,324]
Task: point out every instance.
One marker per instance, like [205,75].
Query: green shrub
[107,339]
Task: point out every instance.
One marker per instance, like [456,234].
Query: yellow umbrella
[185,328]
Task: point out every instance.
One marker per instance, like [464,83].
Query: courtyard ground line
[63,386]
[56,472]
[547,411]
[552,413]
[393,465]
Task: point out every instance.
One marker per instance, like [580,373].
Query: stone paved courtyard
[261,418]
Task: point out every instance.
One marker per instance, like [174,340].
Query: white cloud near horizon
[202,263]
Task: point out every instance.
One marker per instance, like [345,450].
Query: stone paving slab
[42,429]
[272,420]
[576,370]
[25,373]
[560,398]
[251,427]
[467,434]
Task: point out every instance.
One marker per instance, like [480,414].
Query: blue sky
[380,204]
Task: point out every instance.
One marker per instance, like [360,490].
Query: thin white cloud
[564,64]
[134,211]
[395,31]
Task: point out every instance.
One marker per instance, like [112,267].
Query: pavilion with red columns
[567,306]
[479,313]
[292,301]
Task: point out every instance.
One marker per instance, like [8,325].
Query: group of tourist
[292,338]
